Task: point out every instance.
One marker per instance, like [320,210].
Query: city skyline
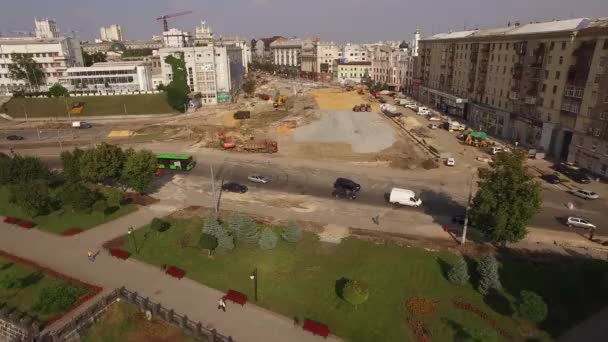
[337,20]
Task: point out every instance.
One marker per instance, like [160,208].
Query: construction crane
[164,18]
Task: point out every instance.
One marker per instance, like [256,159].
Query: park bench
[175,272]
[236,297]
[120,254]
[316,328]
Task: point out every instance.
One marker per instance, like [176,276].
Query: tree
[136,53]
[71,164]
[24,68]
[268,239]
[159,225]
[102,164]
[138,170]
[488,274]
[79,196]
[244,228]
[507,199]
[292,232]
[177,91]
[225,240]
[532,307]
[57,90]
[21,170]
[33,197]
[90,59]
[355,292]
[208,242]
[459,273]
[211,226]
[249,86]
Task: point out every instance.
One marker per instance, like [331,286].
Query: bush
[211,226]
[292,232]
[355,292]
[79,196]
[57,90]
[57,298]
[268,239]
[244,228]
[459,273]
[21,170]
[207,241]
[225,240]
[532,307]
[159,225]
[114,197]
[100,206]
[488,273]
[33,197]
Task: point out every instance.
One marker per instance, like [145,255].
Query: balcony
[574,92]
[513,96]
[530,100]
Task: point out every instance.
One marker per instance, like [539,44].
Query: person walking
[221,304]
[90,255]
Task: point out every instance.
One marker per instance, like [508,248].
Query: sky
[331,20]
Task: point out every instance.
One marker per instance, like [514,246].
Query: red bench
[11,220]
[316,328]
[236,297]
[26,224]
[120,254]
[175,272]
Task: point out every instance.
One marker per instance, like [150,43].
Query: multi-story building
[391,66]
[115,76]
[203,34]
[354,72]
[317,59]
[241,44]
[261,51]
[356,53]
[287,52]
[46,28]
[130,44]
[216,72]
[175,38]
[526,83]
[111,33]
[54,56]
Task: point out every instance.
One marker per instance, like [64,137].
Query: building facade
[242,44]
[353,72]
[54,56]
[203,34]
[317,59]
[356,53]
[130,44]
[46,28]
[111,33]
[175,38]
[115,76]
[287,52]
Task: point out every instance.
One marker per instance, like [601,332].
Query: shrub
[211,226]
[159,225]
[57,90]
[292,232]
[225,241]
[114,197]
[33,197]
[268,239]
[244,228]
[355,292]
[488,273]
[207,241]
[57,298]
[100,206]
[532,307]
[459,273]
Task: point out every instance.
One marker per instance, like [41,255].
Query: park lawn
[64,219]
[94,106]
[20,286]
[123,322]
[300,280]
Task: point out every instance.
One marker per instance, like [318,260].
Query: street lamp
[130,232]
[254,277]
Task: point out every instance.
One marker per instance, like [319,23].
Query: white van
[404,197]
[424,111]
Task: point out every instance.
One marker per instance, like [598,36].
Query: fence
[16,326]
[75,328]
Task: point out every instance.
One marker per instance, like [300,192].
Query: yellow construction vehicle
[280,100]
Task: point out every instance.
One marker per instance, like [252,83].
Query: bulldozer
[280,100]
[226,142]
[477,139]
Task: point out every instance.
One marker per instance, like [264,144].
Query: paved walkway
[68,255]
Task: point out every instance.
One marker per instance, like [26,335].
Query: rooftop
[30,40]
[354,63]
[105,66]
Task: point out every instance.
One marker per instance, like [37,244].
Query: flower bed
[420,306]
[11,220]
[484,316]
[71,231]
[175,272]
[120,254]
[26,224]
[419,331]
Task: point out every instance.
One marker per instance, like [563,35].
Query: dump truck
[261,146]
[356,108]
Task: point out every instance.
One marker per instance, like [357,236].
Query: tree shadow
[441,207]
[339,286]
[444,266]
[7,266]
[460,333]
[110,210]
[499,303]
[30,279]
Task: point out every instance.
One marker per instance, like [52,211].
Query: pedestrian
[221,304]
[376,219]
[90,255]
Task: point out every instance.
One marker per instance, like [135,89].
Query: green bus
[170,161]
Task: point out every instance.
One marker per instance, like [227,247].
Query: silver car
[579,223]
[258,179]
[586,194]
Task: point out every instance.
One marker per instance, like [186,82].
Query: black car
[14,137]
[340,192]
[458,219]
[552,178]
[347,184]
[580,177]
[234,187]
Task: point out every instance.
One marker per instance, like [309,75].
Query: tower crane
[164,18]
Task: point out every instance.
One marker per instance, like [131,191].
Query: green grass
[123,322]
[94,106]
[61,220]
[300,280]
[20,286]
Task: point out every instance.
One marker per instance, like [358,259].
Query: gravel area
[366,132]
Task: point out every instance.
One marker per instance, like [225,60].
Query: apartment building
[356,53]
[54,56]
[241,44]
[287,52]
[390,65]
[46,28]
[518,82]
[354,72]
[175,38]
[261,50]
[109,76]
[317,59]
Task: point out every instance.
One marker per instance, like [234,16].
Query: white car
[434,118]
[586,194]
[258,179]
[450,162]
[579,223]
[412,107]
[424,111]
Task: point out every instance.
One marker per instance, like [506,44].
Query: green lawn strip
[20,286]
[123,322]
[61,220]
[300,279]
[94,106]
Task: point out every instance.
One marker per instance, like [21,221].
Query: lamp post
[254,277]
[130,232]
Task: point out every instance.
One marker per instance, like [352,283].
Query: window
[546,73]
[557,73]
[605,98]
[544,87]
[561,60]
[552,46]
[549,59]
[554,89]
[563,45]
[605,44]
[552,104]
[504,70]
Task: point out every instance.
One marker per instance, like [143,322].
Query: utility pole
[466,213]
[25,112]
[214,196]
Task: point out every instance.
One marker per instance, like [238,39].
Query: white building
[54,56]
[216,72]
[287,53]
[354,72]
[46,28]
[356,53]
[317,59]
[391,65]
[114,76]
[111,33]
[175,38]
[203,34]
[241,44]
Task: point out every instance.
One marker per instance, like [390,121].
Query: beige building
[111,33]
[287,52]
[353,72]
[317,59]
[46,28]
[526,83]
[390,65]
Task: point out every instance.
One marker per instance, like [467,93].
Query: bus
[170,161]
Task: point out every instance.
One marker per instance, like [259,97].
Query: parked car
[14,137]
[586,194]
[552,178]
[404,197]
[434,118]
[424,111]
[258,179]
[458,219]
[578,222]
[412,107]
[450,162]
[573,172]
[580,177]
[234,187]
[346,188]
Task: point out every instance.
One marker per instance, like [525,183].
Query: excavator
[280,101]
